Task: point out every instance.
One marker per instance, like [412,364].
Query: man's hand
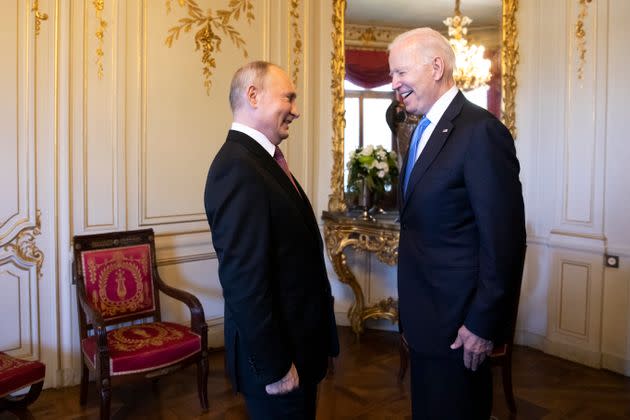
[288,383]
[475,348]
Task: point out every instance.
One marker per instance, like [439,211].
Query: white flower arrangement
[374,165]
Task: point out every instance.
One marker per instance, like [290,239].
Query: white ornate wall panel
[147,124]
[17,160]
[19,330]
[97,117]
[581,155]
[616,314]
[575,307]
[573,145]
[21,257]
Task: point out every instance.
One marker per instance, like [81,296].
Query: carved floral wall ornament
[99,6]
[297,39]
[39,16]
[370,37]
[210,24]
[24,246]
[580,34]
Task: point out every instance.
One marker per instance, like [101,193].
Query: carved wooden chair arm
[197,316]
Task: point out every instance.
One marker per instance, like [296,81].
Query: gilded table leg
[355,313]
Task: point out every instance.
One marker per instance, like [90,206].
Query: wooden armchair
[118,282]
[16,374]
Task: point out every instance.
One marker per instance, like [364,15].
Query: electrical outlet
[611,261]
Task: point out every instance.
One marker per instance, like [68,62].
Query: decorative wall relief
[99,5]
[580,34]
[210,23]
[39,16]
[364,36]
[24,247]
[297,39]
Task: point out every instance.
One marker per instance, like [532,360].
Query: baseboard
[616,364]
[215,331]
[574,353]
[342,319]
[529,339]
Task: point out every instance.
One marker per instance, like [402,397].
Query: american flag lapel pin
[445,130]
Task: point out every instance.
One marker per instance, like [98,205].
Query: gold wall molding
[337,66]
[25,247]
[99,6]
[294,13]
[39,16]
[580,35]
[209,24]
[509,63]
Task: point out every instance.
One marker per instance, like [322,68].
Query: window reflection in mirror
[365,119]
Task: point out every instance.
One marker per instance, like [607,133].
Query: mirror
[360,11]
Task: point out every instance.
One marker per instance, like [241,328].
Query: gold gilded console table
[380,237]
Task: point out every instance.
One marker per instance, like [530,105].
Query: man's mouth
[406,94]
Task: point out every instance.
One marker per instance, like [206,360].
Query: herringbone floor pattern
[364,386]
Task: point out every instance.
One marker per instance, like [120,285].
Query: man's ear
[438,68]
[252,96]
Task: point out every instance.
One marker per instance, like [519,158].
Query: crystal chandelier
[471,69]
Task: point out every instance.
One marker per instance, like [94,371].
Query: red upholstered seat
[144,347]
[16,374]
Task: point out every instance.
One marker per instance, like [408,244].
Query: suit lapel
[435,143]
[267,162]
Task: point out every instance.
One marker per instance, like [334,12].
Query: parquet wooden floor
[364,386]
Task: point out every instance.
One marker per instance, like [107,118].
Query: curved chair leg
[202,380]
[85,378]
[23,401]
[506,373]
[404,359]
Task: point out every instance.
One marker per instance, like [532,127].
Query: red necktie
[279,157]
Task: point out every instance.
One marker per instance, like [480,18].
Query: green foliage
[375,165]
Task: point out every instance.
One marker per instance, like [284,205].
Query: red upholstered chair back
[118,281]
[117,275]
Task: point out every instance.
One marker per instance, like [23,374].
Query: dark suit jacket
[278,303]
[462,232]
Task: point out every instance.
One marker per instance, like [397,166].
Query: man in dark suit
[462,233]
[279,320]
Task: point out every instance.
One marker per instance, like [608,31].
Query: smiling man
[279,320]
[462,233]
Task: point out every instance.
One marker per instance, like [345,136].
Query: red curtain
[368,69]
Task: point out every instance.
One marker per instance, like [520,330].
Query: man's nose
[395,82]
[295,112]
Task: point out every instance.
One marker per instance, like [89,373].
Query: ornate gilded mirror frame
[509,62]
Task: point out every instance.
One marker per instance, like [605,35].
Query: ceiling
[418,13]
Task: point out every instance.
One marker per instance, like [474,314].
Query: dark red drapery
[366,68]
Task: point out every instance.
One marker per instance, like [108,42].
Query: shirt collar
[256,135]
[439,107]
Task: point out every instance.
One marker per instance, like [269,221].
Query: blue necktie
[415,141]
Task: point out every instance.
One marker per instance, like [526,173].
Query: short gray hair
[428,43]
[253,73]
